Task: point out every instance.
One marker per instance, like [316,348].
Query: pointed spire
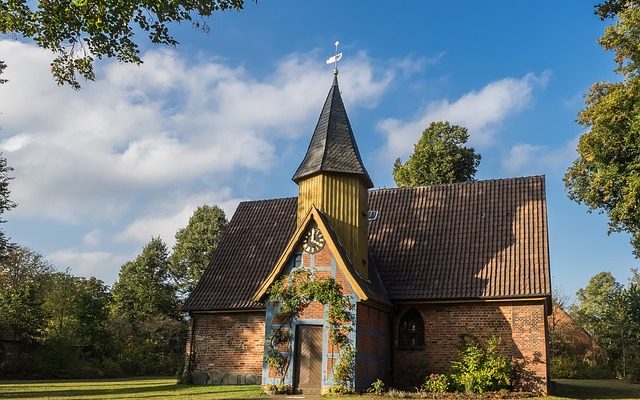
[333,147]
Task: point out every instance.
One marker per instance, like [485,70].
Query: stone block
[199,378]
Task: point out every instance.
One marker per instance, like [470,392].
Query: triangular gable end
[332,243]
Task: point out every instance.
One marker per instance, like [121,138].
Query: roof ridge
[516,178]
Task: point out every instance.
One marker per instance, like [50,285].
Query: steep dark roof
[474,240]
[333,147]
[256,236]
[485,239]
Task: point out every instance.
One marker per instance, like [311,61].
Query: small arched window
[411,332]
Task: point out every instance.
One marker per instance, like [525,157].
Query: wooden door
[308,363]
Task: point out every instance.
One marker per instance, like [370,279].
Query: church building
[422,268]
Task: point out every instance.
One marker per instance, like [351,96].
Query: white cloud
[479,111]
[101,264]
[169,217]
[530,159]
[138,131]
[93,237]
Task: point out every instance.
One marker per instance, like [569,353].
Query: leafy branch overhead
[81,31]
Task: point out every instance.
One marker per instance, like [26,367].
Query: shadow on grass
[134,392]
[594,389]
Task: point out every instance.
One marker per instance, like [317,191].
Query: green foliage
[143,288]
[23,274]
[566,366]
[606,174]
[439,157]
[610,312]
[341,389]
[79,31]
[377,387]
[194,246]
[436,383]
[482,369]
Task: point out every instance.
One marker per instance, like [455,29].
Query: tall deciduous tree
[79,31]
[195,244]
[610,312]
[606,174]
[440,156]
[143,288]
[23,274]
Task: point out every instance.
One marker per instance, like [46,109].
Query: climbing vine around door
[291,294]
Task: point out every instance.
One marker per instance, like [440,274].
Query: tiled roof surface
[485,239]
[333,147]
[256,236]
[468,240]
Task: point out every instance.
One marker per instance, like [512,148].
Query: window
[411,332]
[297,260]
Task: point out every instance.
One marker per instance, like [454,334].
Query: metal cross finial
[334,59]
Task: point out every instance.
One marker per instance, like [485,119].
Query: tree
[23,274]
[605,309]
[143,288]
[5,202]
[439,157]
[79,31]
[195,244]
[606,174]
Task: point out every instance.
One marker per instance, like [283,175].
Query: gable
[315,218]
[474,240]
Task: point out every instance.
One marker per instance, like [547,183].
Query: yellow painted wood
[343,199]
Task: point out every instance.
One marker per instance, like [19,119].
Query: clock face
[313,241]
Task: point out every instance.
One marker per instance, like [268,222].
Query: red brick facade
[520,325]
[228,346]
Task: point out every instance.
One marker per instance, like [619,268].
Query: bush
[376,387]
[569,367]
[482,369]
[436,383]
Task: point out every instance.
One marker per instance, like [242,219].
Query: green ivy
[291,294]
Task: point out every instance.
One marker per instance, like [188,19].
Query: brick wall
[521,326]
[228,346]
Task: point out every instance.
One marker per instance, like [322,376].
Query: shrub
[376,387]
[482,369]
[436,383]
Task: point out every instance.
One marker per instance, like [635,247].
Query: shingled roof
[475,240]
[333,147]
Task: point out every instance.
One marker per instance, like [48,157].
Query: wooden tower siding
[343,199]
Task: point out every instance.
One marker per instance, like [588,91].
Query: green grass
[594,389]
[166,388]
[146,388]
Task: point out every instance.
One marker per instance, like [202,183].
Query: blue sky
[226,116]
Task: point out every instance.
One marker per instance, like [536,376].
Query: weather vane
[334,59]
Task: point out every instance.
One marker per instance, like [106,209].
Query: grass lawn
[145,388]
[593,389]
[166,388]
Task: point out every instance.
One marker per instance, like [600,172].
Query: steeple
[333,148]
[333,179]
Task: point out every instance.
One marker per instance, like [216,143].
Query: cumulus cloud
[132,154]
[480,111]
[101,264]
[100,153]
[531,159]
[168,218]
